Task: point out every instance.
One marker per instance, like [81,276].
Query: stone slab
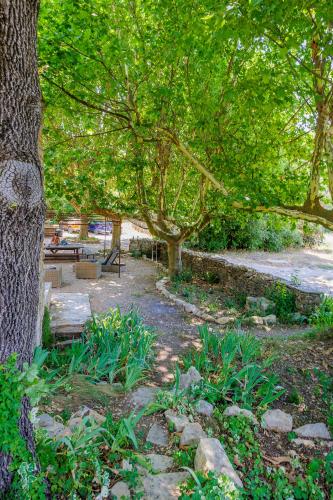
[69,312]
[163,486]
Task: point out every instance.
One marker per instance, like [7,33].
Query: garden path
[177,332]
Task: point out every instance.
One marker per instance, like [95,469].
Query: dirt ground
[308,269]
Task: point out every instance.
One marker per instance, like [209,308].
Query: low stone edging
[188,307]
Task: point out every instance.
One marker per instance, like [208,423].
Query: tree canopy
[183,110]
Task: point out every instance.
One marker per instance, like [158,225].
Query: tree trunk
[174,258]
[116,233]
[83,227]
[21,192]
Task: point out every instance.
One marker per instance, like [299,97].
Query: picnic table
[54,249]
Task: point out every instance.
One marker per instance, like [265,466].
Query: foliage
[232,370]
[210,486]
[184,458]
[239,438]
[15,387]
[284,300]
[322,317]
[114,347]
[79,464]
[251,232]
[47,336]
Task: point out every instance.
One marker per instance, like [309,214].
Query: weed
[184,458]
[322,317]
[211,277]
[284,300]
[294,397]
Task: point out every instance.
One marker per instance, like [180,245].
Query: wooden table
[56,248]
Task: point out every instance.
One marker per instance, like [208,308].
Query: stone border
[191,308]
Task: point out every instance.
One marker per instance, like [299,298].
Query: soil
[212,299]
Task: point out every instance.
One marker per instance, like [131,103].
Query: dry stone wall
[235,278]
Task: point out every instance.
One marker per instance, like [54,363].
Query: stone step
[69,313]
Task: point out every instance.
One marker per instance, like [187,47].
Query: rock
[85,411]
[191,377]
[270,319]
[225,320]
[303,442]
[298,318]
[277,420]
[120,491]
[318,430]
[235,411]
[159,463]
[53,428]
[143,396]
[190,308]
[178,421]
[192,434]
[204,408]
[126,465]
[210,456]
[163,486]
[44,420]
[157,435]
[261,304]
[74,422]
[256,320]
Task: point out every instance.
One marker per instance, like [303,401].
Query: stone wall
[235,278]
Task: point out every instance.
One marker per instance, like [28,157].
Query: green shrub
[114,347]
[211,277]
[47,336]
[285,301]
[322,317]
[248,231]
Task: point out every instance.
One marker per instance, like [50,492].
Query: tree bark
[83,227]
[21,192]
[116,234]
[174,258]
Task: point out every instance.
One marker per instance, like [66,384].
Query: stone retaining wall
[235,278]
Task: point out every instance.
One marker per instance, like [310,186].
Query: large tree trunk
[116,234]
[21,191]
[174,258]
[83,227]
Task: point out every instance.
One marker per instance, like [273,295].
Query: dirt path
[177,332]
